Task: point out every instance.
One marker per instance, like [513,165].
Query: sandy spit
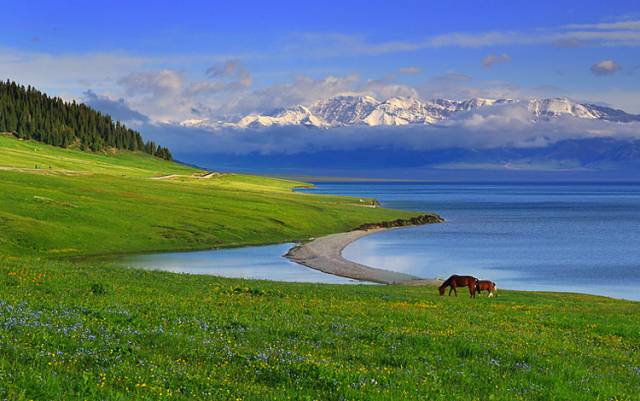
[325,254]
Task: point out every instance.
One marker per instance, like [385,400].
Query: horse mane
[446,282]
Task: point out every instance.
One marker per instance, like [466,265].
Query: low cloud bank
[504,126]
[118,109]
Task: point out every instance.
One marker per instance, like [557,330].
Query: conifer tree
[31,114]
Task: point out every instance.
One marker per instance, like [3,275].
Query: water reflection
[255,262]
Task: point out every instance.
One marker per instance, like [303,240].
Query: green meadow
[73,327]
[59,202]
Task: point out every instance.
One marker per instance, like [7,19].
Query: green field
[92,330]
[78,203]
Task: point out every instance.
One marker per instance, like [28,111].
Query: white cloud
[605,67]
[154,83]
[68,72]
[170,95]
[118,109]
[483,39]
[622,33]
[329,45]
[232,70]
[604,38]
[158,94]
[619,25]
[302,90]
[162,93]
[384,89]
[307,90]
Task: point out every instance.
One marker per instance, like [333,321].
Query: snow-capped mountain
[345,110]
[556,107]
[297,115]
[401,111]
[352,110]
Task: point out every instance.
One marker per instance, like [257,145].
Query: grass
[89,204]
[93,330]
[72,332]
[35,155]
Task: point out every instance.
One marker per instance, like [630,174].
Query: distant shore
[325,254]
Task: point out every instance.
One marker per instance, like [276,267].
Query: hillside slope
[57,202]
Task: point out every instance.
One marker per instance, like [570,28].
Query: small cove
[253,262]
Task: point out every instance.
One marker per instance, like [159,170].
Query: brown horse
[456,281]
[489,286]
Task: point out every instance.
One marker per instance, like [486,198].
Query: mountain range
[358,110]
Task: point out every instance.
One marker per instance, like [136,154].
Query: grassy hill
[57,202]
[94,330]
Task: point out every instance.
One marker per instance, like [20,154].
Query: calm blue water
[255,262]
[552,237]
[559,237]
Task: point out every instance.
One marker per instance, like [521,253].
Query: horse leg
[455,290]
[472,291]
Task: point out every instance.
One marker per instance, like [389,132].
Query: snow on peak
[556,107]
[400,111]
[344,109]
[297,115]
[353,110]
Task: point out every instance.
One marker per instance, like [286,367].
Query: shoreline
[325,254]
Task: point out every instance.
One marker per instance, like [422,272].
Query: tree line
[31,114]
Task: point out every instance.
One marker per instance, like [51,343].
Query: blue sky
[153,57]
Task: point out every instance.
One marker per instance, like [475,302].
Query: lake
[546,237]
[549,237]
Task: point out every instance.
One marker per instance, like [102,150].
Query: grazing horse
[456,281]
[486,285]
